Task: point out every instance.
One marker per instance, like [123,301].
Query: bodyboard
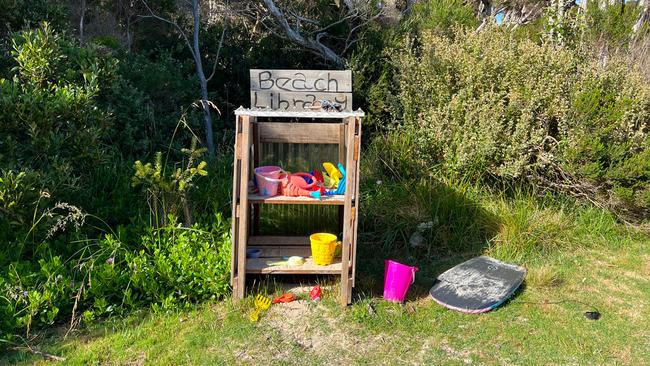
[477,285]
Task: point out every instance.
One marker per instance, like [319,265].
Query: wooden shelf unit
[339,128]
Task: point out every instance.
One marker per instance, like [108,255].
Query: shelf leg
[243,218]
[348,214]
[235,199]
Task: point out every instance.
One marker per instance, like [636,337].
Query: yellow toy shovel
[333,174]
[261,303]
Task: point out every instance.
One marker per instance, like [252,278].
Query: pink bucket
[267,180]
[397,280]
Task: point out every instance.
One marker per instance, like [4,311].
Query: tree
[310,34]
[127,13]
[195,50]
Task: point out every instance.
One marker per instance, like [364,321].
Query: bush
[484,102]
[181,265]
[18,196]
[50,120]
[162,267]
[490,104]
[611,25]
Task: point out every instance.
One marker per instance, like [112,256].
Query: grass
[543,324]
[578,259]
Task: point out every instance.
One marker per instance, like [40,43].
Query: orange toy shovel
[288,297]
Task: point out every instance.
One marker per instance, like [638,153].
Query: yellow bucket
[323,246]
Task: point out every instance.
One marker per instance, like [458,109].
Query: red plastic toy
[288,297]
[296,185]
[315,293]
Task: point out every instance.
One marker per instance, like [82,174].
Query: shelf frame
[246,207]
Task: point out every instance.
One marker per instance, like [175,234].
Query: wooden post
[342,137]
[348,214]
[357,158]
[242,207]
[235,201]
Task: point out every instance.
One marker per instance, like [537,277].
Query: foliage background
[550,111]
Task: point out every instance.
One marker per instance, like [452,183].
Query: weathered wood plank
[278,240]
[299,133]
[334,81]
[333,200]
[241,111]
[355,228]
[268,251]
[243,206]
[294,101]
[266,266]
[256,162]
[348,226]
[234,202]
[342,155]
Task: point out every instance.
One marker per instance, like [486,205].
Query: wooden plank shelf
[280,246]
[335,200]
[266,266]
[277,240]
[282,251]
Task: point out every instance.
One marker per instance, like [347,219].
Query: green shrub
[491,104]
[607,142]
[19,197]
[181,265]
[442,16]
[167,193]
[164,267]
[611,25]
[145,100]
[50,120]
[485,101]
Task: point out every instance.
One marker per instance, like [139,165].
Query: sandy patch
[311,326]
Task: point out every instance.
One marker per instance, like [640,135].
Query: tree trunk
[129,34]
[205,105]
[186,211]
[82,14]
[644,17]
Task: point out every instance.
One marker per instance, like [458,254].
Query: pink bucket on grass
[397,280]
[267,179]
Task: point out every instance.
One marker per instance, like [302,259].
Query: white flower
[425,226]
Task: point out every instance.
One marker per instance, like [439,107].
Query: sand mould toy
[300,184]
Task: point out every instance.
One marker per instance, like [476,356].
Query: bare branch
[312,44]
[351,15]
[348,41]
[216,58]
[45,355]
[301,18]
[30,349]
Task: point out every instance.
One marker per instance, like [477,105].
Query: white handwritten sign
[297,90]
